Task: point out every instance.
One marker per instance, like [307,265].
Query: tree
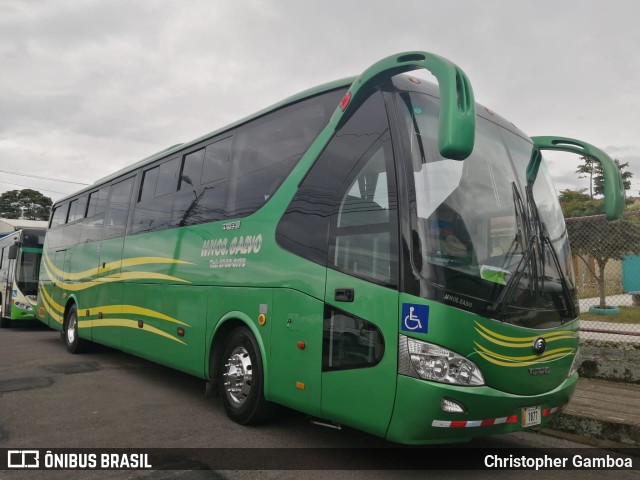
[587,170]
[595,173]
[576,203]
[25,204]
[602,240]
[598,179]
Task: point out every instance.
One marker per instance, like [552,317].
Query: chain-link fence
[606,261]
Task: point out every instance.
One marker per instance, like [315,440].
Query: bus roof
[344,82]
[401,82]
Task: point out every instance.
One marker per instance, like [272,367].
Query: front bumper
[418,418]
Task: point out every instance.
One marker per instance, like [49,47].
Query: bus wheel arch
[236,368]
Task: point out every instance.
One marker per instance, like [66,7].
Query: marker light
[431,362]
[345,101]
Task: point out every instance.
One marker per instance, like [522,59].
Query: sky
[90,86]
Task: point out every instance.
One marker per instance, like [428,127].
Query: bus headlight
[431,362]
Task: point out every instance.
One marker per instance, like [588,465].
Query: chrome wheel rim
[238,376]
[71,329]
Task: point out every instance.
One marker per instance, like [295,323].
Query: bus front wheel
[4,321]
[72,340]
[241,380]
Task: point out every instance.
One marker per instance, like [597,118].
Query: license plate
[531,416]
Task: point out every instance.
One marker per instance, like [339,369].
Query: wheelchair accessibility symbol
[415,318]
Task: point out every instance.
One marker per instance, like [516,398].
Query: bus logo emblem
[415,318]
[539,346]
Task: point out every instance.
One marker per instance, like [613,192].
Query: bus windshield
[482,239]
[28,270]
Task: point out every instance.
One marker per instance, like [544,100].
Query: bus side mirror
[457,122]
[613,185]
[13,252]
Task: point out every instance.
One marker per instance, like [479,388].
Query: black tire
[72,340]
[241,379]
[4,321]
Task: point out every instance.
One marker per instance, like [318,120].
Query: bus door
[6,289]
[360,327]
[344,218]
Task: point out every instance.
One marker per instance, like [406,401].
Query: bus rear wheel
[241,381]
[72,340]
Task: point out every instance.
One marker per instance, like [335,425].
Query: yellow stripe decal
[519,341]
[46,297]
[52,307]
[125,263]
[50,310]
[547,355]
[133,310]
[125,322]
[519,364]
[77,287]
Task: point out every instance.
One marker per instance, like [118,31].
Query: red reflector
[488,423]
[459,424]
[513,419]
[345,101]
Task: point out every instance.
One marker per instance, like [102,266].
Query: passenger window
[116,219]
[155,202]
[168,177]
[94,221]
[59,215]
[192,170]
[267,149]
[77,209]
[211,204]
[149,182]
[216,161]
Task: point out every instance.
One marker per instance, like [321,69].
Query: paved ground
[603,411]
[49,399]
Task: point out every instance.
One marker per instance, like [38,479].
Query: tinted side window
[168,177]
[59,215]
[212,200]
[203,186]
[77,209]
[191,170]
[94,221]
[116,219]
[156,197]
[216,161]
[267,149]
[149,181]
[349,192]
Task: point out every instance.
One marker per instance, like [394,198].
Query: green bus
[20,259]
[377,252]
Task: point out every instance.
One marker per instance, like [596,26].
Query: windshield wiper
[527,261]
[543,235]
[533,258]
